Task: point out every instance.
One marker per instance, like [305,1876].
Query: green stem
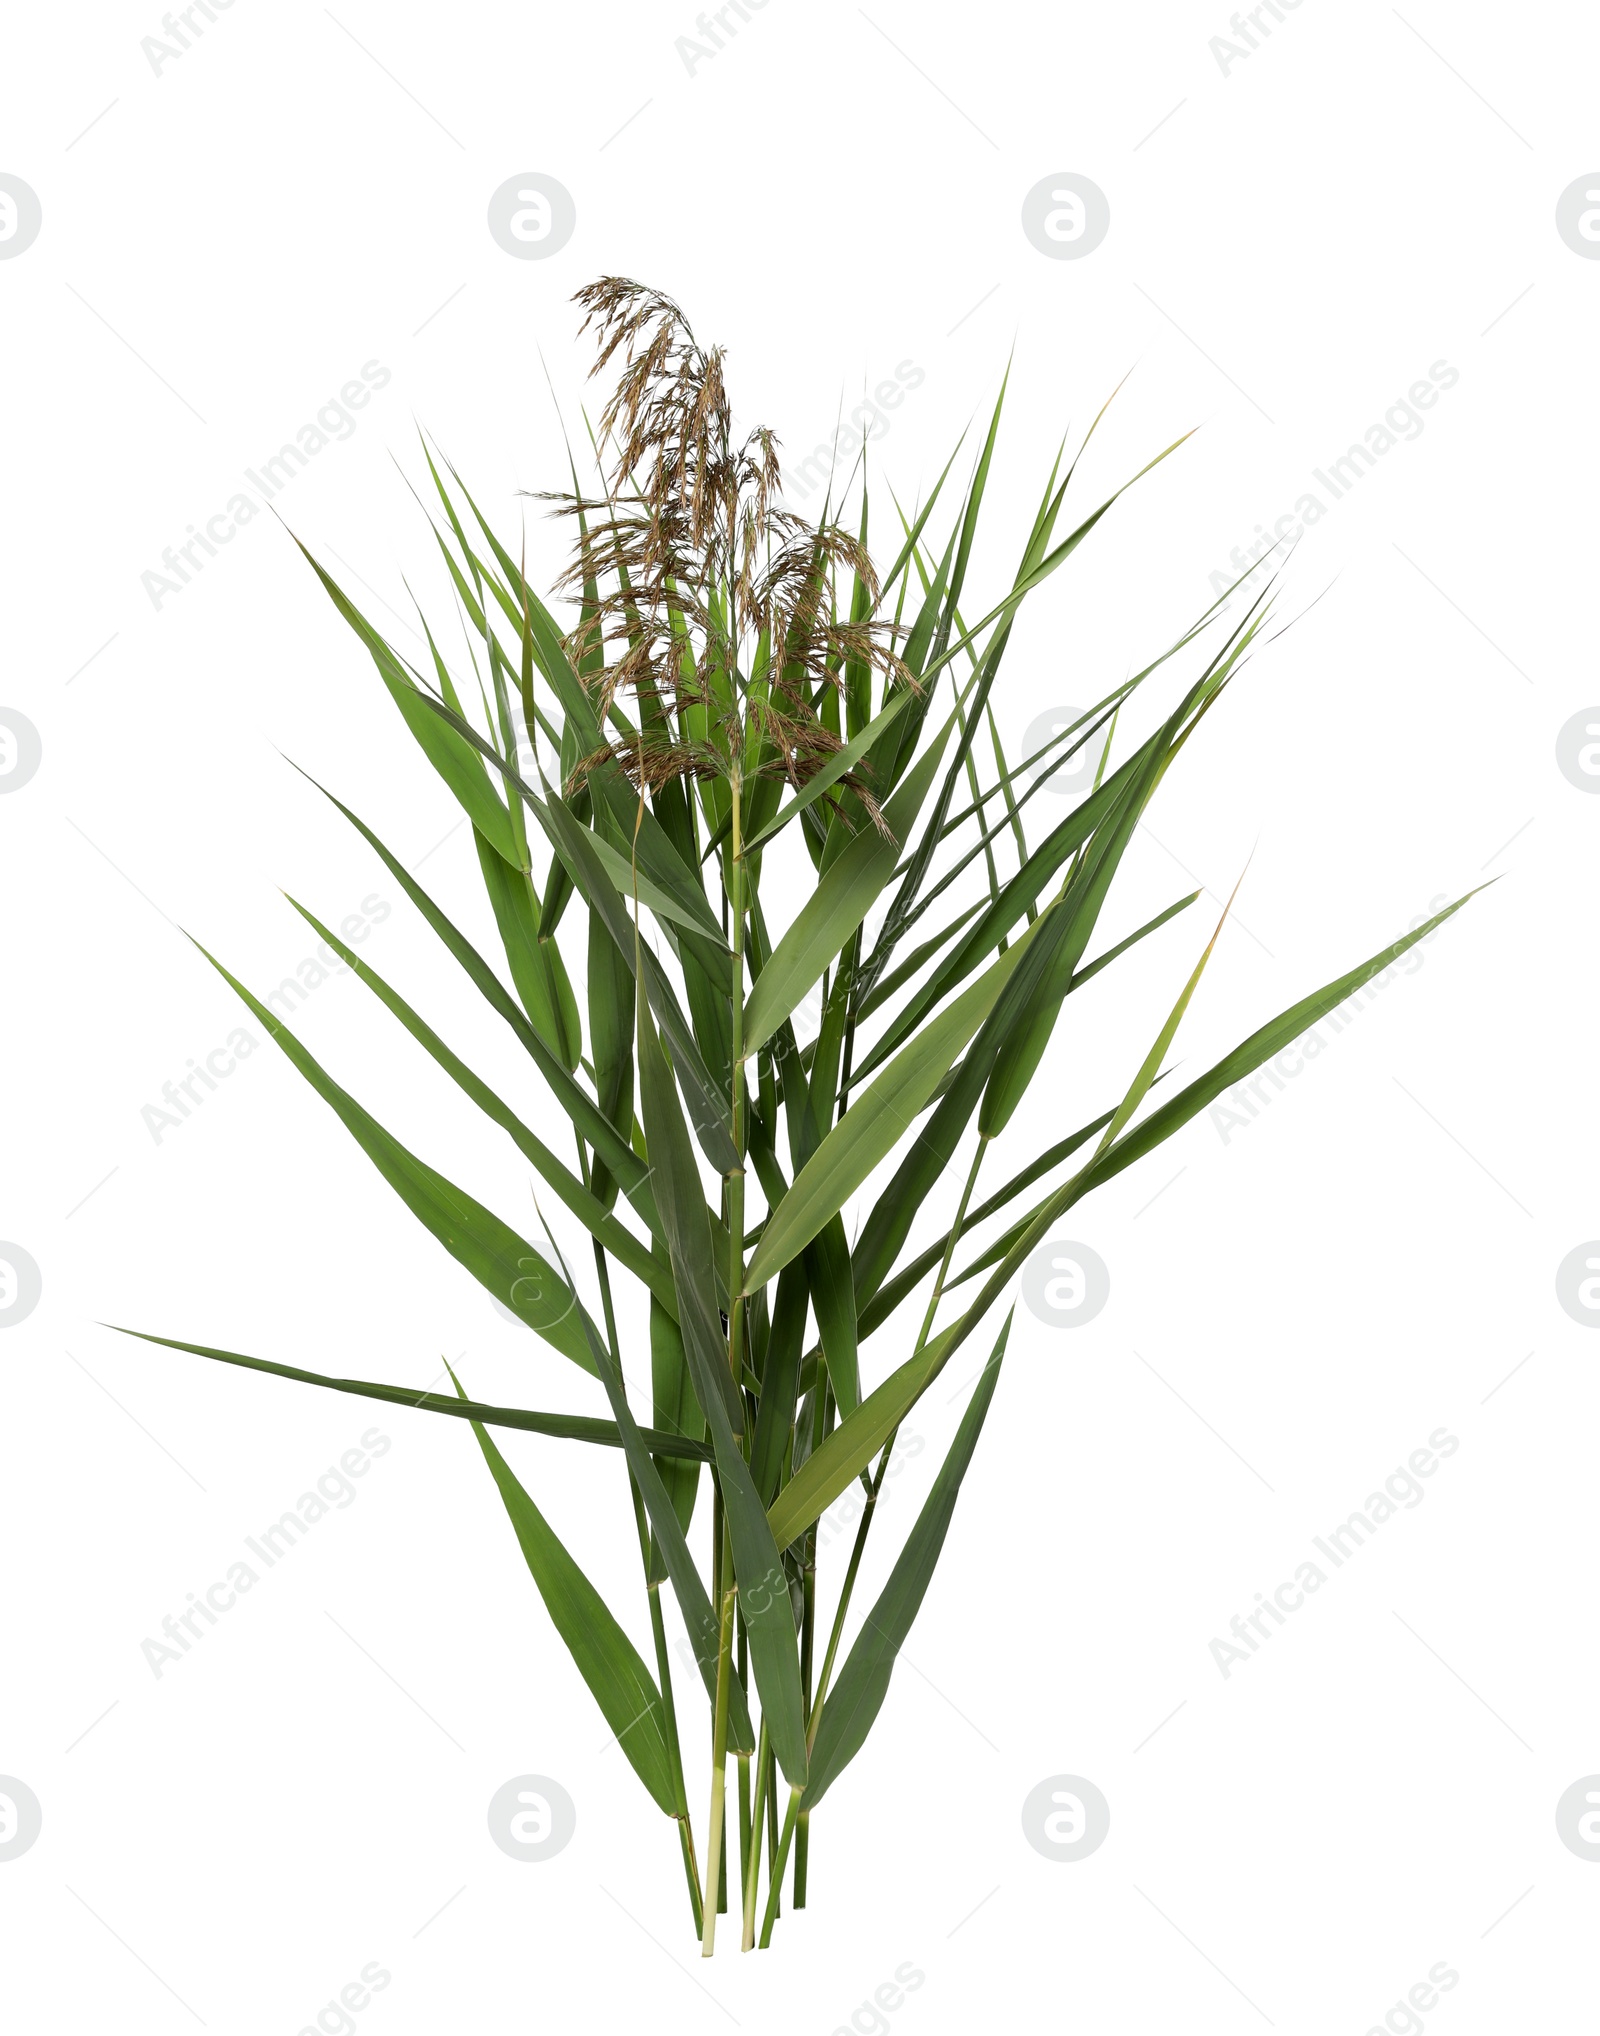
[733,889]
[772,1809]
[691,1867]
[658,1631]
[772,1823]
[822,1422]
[658,1634]
[735,1180]
[777,1874]
[744,1815]
[675,1756]
[808,1616]
[808,1636]
[719,1777]
[846,1589]
[752,1872]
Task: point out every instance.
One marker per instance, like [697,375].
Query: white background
[1291,248]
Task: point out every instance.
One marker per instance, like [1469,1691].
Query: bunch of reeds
[744,698]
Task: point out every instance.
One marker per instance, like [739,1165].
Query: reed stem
[752,1875]
[719,1772]
[777,1876]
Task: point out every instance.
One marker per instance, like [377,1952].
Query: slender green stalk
[658,1631]
[772,1810]
[735,1180]
[752,1872]
[744,1815]
[658,1635]
[777,1872]
[734,1186]
[846,1589]
[808,1635]
[822,1423]
[719,1775]
[685,1824]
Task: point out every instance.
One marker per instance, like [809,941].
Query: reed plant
[743,708]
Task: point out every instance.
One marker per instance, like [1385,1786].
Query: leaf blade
[474,1236]
[604,1656]
[852,1705]
[874,1123]
[564,1427]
